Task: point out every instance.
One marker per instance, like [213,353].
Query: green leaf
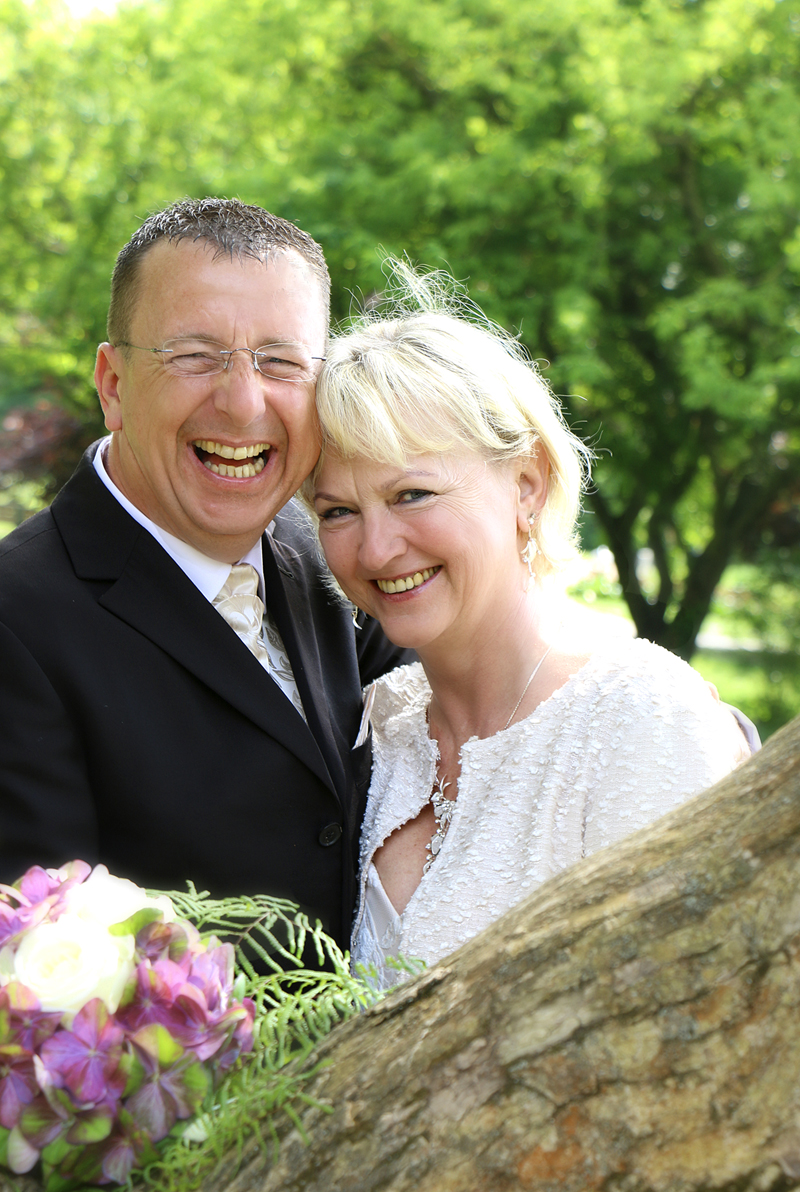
[156,1040]
[138,920]
[55,1152]
[91,1128]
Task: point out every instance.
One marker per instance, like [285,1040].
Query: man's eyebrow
[193,337]
[205,338]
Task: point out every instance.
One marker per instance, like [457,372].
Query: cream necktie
[239,604]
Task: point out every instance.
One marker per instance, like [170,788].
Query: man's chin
[223,530]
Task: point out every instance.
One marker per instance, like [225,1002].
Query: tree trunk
[633,1026]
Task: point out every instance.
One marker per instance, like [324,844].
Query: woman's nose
[381,543]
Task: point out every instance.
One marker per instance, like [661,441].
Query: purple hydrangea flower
[174,1086]
[87,1058]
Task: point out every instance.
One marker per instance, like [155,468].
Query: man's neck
[206,573]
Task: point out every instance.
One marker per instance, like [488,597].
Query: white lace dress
[630,736]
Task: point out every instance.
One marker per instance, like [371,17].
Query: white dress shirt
[209,575]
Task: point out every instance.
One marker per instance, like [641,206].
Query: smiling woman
[447,495]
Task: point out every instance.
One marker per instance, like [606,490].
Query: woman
[447,497]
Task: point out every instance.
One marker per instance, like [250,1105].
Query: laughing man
[141,725]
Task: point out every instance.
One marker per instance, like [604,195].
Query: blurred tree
[620,181]
[617,179]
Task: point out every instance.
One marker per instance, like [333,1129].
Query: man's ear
[533,478]
[106,379]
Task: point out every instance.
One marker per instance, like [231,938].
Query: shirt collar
[207,575]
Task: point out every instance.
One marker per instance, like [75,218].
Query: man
[137,726]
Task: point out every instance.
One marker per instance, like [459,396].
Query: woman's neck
[476,686]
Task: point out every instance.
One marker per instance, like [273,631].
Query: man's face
[159,420]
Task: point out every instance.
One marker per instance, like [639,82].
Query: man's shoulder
[293,525]
[82,534]
[32,537]
[41,531]
[295,538]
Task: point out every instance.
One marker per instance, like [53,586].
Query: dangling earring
[530,550]
[354,611]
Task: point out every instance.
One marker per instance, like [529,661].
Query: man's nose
[241,390]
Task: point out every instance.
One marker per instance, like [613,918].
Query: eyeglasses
[202,358]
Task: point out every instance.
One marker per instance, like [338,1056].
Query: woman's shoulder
[636,658]
[633,669]
[403,692]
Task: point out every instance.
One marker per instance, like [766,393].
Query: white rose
[6,965]
[106,899]
[70,961]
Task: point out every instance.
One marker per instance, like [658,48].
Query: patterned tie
[239,604]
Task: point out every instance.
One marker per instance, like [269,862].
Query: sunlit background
[616,180]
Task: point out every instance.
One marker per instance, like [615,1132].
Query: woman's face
[430,549]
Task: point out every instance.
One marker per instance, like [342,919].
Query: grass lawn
[765,685]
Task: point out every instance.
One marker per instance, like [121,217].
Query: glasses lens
[285,362]
[193,358]
[201,358]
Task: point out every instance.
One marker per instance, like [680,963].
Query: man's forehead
[185,275]
[176,260]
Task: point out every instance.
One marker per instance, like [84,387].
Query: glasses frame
[229,353]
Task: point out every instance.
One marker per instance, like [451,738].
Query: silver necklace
[527,685]
[443,807]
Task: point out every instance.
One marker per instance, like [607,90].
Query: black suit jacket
[136,729]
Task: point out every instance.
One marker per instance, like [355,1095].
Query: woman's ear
[533,478]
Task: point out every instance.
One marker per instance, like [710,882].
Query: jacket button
[330,834]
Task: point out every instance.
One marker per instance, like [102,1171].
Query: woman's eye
[412,494]
[334,512]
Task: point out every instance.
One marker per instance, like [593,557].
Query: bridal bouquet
[117,1021]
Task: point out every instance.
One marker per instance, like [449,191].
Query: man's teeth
[227,452]
[252,451]
[240,473]
[410,581]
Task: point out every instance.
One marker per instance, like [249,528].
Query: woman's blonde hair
[435,376]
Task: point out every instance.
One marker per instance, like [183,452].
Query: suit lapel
[151,594]
[289,606]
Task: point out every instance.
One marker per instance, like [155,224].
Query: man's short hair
[232,227]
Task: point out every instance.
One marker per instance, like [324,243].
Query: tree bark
[633,1026]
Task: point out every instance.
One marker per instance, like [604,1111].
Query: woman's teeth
[405,585]
[252,453]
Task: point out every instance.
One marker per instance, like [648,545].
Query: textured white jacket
[629,737]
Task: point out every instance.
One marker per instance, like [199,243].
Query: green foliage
[762,601]
[18,500]
[295,1008]
[764,684]
[618,179]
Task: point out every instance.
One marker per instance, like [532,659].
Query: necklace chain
[534,672]
[443,807]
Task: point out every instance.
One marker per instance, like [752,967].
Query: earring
[530,549]
[354,611]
